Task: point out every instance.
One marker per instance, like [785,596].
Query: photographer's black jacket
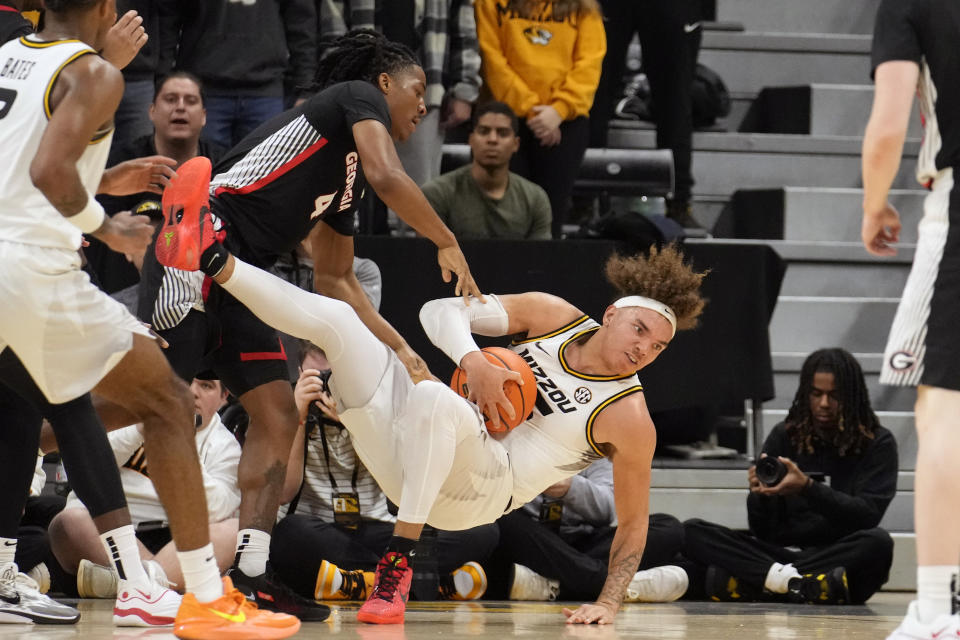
[855,496]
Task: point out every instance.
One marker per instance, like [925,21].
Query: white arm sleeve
[449,323]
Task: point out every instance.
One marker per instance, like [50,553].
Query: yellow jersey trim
[604,405]
[552,334]
[43,45]
[56,74]
[584,376]
[100,136]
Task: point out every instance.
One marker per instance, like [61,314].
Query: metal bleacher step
[817,109]
[720,495]
[855,280]
[750,60]
[726,162]
[809,16]
[803,324]
[816,213]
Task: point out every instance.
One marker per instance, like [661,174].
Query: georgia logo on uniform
[582,395]
[902,361]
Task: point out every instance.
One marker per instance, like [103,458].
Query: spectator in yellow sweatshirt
[543,58]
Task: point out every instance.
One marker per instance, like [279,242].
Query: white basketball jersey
[28,70]
[557,441]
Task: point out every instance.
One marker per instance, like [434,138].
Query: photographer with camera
[338,520]
[817,494]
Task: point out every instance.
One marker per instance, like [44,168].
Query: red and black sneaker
[187,228]
[391,588]
[269,593]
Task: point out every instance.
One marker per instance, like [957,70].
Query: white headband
[653,305]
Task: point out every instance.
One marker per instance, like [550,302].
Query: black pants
[300,543]
[553,168]
[580,564]
[866,555]
[670,48]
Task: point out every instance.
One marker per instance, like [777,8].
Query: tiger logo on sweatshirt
[538,35]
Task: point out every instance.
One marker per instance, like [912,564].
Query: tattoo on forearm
[624,560]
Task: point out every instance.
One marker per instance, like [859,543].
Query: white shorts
[67,332]
[923,348]
[478,488]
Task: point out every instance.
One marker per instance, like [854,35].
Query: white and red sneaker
[151,605]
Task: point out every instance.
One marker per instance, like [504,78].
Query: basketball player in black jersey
[299,177]
[915,53]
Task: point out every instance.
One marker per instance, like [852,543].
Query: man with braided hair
[814,534]
[312,164]
[427,447]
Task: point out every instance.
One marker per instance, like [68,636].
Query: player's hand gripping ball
[522,397]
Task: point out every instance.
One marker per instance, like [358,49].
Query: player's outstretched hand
[415,365]
[593,613]
[881,230]
[485,382]
[125,233]
[150,173]
[452,262]
[124,40]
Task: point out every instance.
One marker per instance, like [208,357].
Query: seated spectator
[33,546]
[74,538]
[544,60]
[484,199]
[342,515]
[178,115]
[557,546]
[813,532]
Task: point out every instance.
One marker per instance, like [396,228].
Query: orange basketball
[521,397]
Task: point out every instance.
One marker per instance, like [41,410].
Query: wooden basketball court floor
[532,621]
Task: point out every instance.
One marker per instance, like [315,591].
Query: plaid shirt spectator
[449,53]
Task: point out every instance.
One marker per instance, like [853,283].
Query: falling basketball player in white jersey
[428,448]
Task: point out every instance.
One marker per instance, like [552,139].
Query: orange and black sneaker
[391,588]
[187,228]
[350,585]
[230,617]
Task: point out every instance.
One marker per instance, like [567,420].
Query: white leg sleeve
[449,323]
[429,443]
[357,358]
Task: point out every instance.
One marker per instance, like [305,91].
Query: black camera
[316,417]
[770,470]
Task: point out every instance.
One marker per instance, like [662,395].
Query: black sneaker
[720,586]
[821,588]
[268,592]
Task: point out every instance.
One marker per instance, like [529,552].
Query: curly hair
[857,423]
[663,276]
[361,54]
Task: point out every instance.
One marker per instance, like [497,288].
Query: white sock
[933,591]
[253,549]
[8,550]
[779,576]
[201,576]
[124,554]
